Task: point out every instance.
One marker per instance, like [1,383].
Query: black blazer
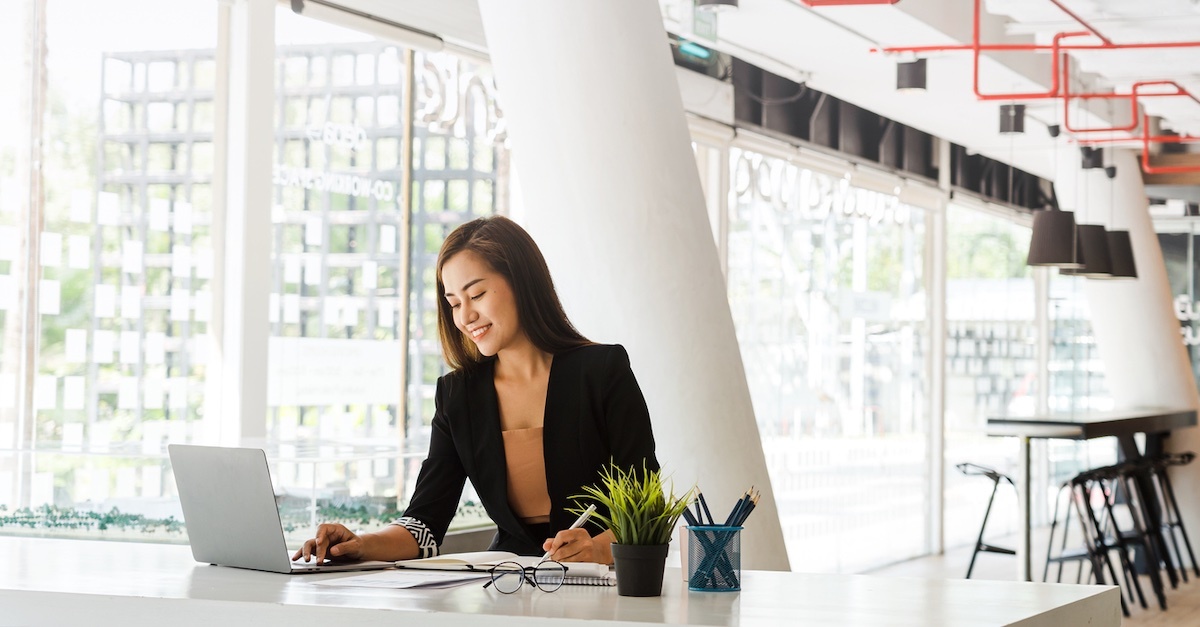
[595,412]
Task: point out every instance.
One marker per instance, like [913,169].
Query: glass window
[335,313]
[991,361]
[122,260]
[826,284]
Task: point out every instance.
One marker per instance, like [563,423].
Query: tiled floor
[1183,603]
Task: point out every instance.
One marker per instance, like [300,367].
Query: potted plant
[641,515]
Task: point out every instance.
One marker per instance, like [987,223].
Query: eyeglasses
[508,577]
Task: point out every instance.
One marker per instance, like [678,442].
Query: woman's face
[482,302]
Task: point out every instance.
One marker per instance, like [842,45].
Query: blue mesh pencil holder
[714,558]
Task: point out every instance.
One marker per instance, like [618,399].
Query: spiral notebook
[607,579]
[578,573]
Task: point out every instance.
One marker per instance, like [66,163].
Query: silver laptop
[230,512]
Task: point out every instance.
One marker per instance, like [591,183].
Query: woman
[530,414]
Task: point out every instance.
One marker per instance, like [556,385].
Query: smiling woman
[532,412]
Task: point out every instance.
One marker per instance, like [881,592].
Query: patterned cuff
[426,543]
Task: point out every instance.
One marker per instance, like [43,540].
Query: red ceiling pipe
[1081,21]
[1036,47]
[1133,96]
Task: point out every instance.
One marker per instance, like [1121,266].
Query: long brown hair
[512,253]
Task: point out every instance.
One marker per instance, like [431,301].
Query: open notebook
[578,573]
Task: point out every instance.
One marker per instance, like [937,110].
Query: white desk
[65,582]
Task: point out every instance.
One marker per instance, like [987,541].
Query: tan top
[527,493]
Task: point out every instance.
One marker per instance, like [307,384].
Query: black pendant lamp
[1012,119]
[1097,262]
[1120,248]
[1054,241]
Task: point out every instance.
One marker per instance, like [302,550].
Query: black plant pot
[639,569]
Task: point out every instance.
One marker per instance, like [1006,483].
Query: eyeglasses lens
[508,577]
[549,576]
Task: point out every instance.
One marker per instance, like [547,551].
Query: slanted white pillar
[1137,333]
[613,198]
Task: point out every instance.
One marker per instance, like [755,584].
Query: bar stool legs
[1171,519]
[970,469]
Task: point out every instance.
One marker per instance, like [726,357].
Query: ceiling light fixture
[370,24]
[1097,261]
[1012,118]
[910,76]
[716,5]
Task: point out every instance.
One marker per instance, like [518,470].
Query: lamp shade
[1054,241]
[1012,118]
[1120,248]
[910,76]
[716,5]
[1097,262]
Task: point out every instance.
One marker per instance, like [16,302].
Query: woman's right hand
[333,541]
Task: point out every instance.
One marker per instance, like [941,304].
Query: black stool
[1171,520]
[1094,550]
[970,469]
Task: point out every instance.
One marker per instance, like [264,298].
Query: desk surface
[45,581]
[1088,425]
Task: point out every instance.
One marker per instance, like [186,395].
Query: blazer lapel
[560,437]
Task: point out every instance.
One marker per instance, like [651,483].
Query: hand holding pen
[572,535]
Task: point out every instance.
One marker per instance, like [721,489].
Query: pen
[583,518]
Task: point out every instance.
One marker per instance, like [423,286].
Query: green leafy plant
[640,511]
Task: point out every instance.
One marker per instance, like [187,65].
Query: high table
[1156,423]
[76,582]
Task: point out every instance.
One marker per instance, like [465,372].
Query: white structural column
[1137,333]
[613,198]
[245,270]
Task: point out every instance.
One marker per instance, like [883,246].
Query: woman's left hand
[577,545]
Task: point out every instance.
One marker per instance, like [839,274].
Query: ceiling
[831,49]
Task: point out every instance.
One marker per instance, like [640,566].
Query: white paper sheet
[131,302]
[330,315]
[45,392]
[79,252]
[183,217]
[177,392]
[204,264]
[312,270]
[349,313]
[370,275]
[160,209]
[108,209]
[131,257]
[106,300]
[387,313]
[291,308]
[81,206]
[130,347]
[181,261]
[76,346]
[314,232]
[8,293]
[127,393]
[74,393]
[8,243]
[72,435]
[151,481]
[52,249]
[156,347]
[202,303]
[181,303]
[291,269]
[50,298]
[399,579]
[387,238]
[152,392]
[103,344]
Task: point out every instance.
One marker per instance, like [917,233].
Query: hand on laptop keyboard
[333,541]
